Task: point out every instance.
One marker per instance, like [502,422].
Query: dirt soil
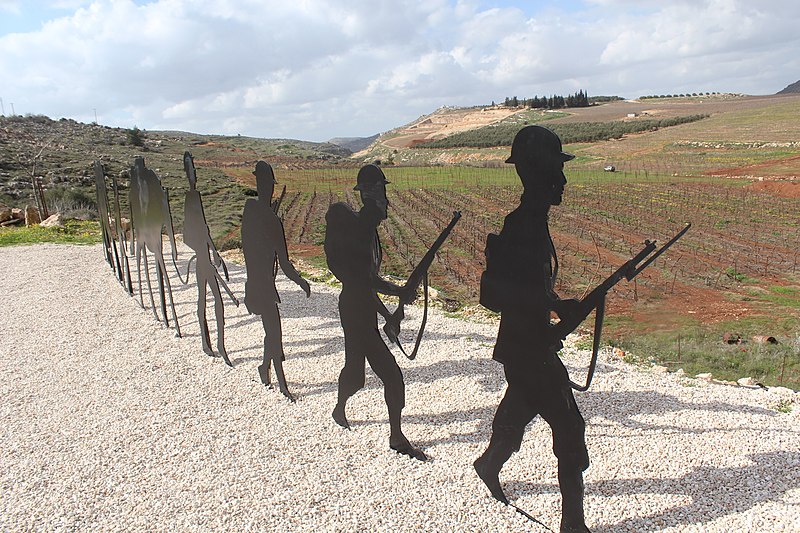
[444,122]
[784,189]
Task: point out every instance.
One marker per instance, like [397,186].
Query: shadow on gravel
[714,492]
[487,373]
[622,408]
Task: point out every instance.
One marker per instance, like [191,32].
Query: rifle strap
[598,330]
[188,269]
[424,317]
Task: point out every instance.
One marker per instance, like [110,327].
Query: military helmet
[264,169]
[368,176]
[534,142]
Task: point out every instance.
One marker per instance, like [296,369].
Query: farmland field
[737,269]
[733,174]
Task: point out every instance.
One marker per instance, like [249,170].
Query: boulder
[5,214]
[32,216]
[731,338]
[707,376]
[765,339]
[53,220]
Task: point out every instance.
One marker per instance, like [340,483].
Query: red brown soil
[670,310]
[784,189]
[765,169]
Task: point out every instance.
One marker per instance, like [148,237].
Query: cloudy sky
[316,69]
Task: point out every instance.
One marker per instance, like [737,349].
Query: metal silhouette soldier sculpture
[521,268]
[121,239]
[264,248]
[109,244]
[197,236]
[151,215]
[353,253]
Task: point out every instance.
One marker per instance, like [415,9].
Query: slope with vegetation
[62,153]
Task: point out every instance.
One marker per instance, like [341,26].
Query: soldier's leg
[139,275]
[201,314]
[394,392]
[569,446]
[273,348]
[219,312]
[263,368]
[149,284]
[508,428]
[166,283]
[351,378]
[161,292]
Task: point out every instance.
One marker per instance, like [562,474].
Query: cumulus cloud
[315,69]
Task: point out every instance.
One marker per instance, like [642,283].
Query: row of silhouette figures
[264,247]
[519,282]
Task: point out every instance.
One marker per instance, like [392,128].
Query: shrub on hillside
[71,203]
[576,132]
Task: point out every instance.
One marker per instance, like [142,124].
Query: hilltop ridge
[791,88]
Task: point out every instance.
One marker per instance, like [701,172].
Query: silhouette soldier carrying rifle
[264,248]
[353,253]
[197,236]
[519,281]
[150,217]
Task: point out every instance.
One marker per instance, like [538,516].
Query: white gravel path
[110,422]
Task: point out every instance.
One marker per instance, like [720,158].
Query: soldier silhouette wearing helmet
[521,268]
[197,236]
[353,253]
[264,248]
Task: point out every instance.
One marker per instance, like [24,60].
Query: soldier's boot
[206,338]
[399,443]
[221,335]
[281,377]
[263,372]
[504,442]
[395,396]
[338,414]
[348,386]
[570,481]
[221,347]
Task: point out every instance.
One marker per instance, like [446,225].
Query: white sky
[316,69]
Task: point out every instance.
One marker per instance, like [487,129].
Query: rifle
[276,204]
[597,300]
[418,275]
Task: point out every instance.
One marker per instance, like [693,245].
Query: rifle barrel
[419,271]
[660,251]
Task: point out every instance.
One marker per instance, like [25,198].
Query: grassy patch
[784,296]
[73,232]
[701,348]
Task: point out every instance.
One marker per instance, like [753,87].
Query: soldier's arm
[279,238]
[381,307]
[209,241]
[387,287]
